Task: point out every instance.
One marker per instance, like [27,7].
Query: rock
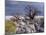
[25,25]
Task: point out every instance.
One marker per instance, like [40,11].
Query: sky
[12,7]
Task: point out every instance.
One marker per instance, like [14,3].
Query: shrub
[9,26]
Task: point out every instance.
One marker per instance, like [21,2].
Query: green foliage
[9,26]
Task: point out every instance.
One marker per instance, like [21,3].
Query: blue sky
[11,7]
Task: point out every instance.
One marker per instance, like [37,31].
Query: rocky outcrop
[25,25]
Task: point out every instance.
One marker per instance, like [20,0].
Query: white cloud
[8,17]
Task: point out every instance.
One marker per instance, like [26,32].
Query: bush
[9,26]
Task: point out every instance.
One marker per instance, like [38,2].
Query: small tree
[31,12]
